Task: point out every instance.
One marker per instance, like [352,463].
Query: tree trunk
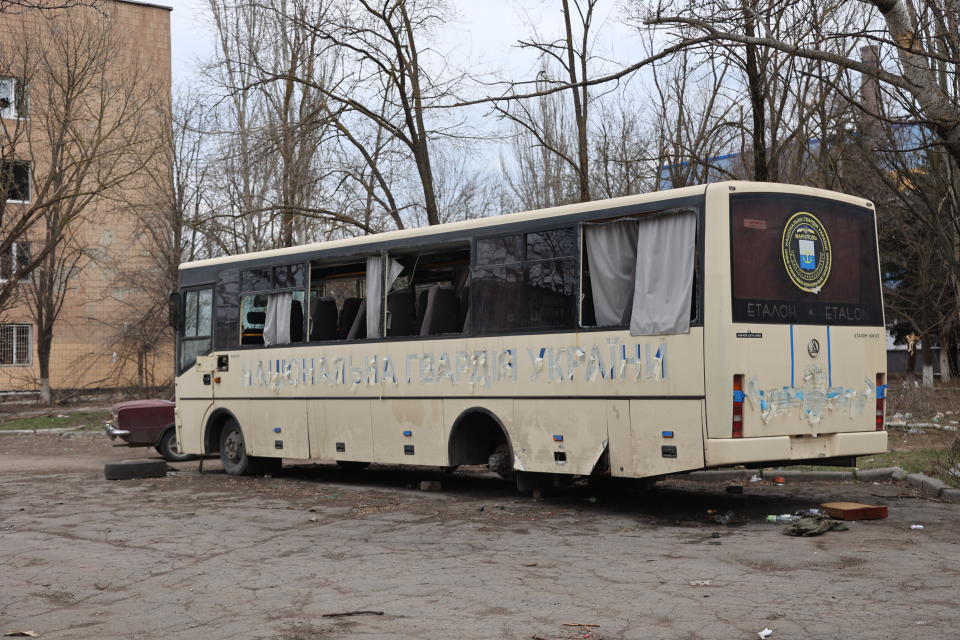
[755,84]
[944,359]
[579,108]
[44,343]
[926,350]
[911,368]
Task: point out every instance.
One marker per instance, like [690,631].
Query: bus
[734,323]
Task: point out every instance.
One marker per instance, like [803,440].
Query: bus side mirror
[173,310]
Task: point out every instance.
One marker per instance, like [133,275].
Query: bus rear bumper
[720,452]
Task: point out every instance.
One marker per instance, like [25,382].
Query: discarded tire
[130,469]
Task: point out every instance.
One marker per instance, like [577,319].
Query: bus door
[807,315]
[196,369]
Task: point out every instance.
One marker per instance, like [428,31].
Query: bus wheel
[233,454]
[233,450]
[501,462]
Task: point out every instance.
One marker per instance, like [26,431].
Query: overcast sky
[483,34]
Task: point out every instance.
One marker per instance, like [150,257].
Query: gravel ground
[212,556]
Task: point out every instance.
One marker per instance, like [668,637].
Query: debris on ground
[344,614]
[916,527]
[808,526]
[783,518]
[699,583]
[854,510]
[766,633]
[720,518]
[22,634]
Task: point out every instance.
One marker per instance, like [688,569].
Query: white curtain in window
[276,327]
[663,291]
[612,254]
[375,282]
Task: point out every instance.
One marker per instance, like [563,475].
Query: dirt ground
[211,556]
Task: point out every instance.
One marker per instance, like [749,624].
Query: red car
[147,423]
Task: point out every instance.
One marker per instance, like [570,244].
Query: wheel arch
[475,434]
[214,427]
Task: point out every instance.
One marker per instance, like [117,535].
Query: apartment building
[97,198]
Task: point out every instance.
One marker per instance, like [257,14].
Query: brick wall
[89,350]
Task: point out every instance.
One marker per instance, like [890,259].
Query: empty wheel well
[211,436]
[475,435]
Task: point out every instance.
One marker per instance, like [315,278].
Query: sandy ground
[211,556]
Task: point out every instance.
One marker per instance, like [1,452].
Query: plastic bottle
[785,518]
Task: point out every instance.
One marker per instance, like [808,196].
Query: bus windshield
[803,260]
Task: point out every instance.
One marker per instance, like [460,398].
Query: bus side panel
[340,424]
[560,436]
[409,432]
[621,441]
[666,436]
[719,349]
[191,416]
[274,428]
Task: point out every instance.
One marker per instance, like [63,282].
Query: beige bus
[734,323]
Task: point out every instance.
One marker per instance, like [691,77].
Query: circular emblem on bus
[805,248]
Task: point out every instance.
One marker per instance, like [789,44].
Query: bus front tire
[233,454]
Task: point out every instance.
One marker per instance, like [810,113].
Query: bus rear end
[795,348]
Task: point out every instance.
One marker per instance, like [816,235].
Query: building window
[12,261]
[15,180]
[13,98]
[15,344]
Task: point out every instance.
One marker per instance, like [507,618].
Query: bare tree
[173,226]
[571,54]
[918,52]
[42,6]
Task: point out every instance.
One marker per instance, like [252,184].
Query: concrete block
[953,495]
[430,485]
[721,475]
[876,475]
[808,476]
[926,485]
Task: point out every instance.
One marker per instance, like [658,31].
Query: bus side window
[431,295]
[633,269]
[526,281]
[271,305]
[226,329]
[336,301]
[197,325]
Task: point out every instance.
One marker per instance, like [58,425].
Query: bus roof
[465,225]
[512,218]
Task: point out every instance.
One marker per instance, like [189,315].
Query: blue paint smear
[829,361]
[792,366]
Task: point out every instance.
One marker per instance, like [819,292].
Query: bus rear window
[803,260]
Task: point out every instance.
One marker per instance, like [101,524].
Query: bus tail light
[738,398]
[881,399]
